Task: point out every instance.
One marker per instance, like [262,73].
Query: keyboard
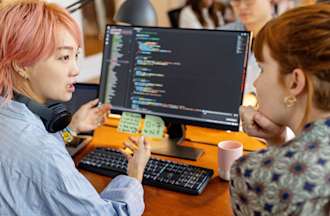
[160,173]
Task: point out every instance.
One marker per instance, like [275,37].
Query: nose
[74,70]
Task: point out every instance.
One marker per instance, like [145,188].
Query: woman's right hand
[138,160]
[256,124]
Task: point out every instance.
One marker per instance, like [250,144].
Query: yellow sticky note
[129,122]
[153,126]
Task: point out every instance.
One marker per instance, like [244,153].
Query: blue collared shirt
[38,176]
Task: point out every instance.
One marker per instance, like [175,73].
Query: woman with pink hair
[39,44]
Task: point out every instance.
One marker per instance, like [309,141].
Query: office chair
[174,16]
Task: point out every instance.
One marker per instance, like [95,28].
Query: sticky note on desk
[153,126]
[129,122]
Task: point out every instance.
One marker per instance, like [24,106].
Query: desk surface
[215,199]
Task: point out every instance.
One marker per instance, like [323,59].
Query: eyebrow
[65,48]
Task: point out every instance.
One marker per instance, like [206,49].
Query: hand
[89,116]
[138,161]
[256,124]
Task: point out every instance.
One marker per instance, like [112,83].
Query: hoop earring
[290,101]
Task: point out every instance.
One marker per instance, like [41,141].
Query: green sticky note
[153,126]
[129,122]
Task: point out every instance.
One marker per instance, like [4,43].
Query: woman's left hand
[89,116]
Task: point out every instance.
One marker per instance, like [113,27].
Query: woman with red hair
[293,90]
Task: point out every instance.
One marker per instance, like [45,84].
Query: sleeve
[123,196]
[71,193]
[318,206]
[118,190]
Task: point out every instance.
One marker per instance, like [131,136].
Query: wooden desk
[215,199]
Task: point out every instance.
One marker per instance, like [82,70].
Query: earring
[25,76]
[290,101]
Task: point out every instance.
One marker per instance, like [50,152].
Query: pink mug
[228,152]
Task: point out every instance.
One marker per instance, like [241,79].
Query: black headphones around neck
[54,116]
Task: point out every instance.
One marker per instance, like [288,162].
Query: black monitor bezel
[104,76]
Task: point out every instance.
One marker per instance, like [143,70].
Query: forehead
[65,39]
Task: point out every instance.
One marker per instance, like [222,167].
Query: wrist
[68,135]
[278,140]
[73,128]
[135,173]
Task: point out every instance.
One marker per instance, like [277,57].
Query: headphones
[54,116]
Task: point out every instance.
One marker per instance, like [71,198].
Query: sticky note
[129,122]
[153,126]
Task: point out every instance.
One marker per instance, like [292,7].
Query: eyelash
[67,57]
[64,58]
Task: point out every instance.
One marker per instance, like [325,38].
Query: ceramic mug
[228,152]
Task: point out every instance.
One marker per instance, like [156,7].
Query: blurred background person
[200,14]
[229,14]
[280,6]
[252,16]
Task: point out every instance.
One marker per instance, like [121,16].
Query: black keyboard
[160,173]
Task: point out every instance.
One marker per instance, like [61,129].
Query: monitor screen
[183,75]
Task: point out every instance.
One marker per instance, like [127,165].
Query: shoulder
[237,26]
[296,172]
[186,9]
[187,12]
[34,153]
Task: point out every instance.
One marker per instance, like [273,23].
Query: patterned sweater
[289,179]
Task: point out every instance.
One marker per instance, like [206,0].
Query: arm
[76,196]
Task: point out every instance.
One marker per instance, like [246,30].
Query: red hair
[28,34]
[300,38]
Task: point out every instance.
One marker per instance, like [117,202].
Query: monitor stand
[171,144]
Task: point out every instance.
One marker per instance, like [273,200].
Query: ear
[22,71]
[296,82]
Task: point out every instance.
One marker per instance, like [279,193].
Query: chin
[66,97]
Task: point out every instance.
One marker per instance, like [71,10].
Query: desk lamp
[137,12]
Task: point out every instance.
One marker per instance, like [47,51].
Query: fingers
[266,123]
[247,117]
[105,108]
[140,143]
[146,144]
[92,103]
[130,145]
[126,154]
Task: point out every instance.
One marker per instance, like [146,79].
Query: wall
[90,67]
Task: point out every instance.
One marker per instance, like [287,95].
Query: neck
[23,87]
[256,27]
[297,123]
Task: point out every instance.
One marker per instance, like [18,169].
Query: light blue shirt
[38,176]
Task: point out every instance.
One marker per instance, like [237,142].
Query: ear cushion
[60,119]
[55,117]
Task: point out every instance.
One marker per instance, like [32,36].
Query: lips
[71,87]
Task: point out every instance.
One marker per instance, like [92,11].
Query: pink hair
[28,34]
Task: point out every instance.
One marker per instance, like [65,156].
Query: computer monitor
[185,76]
